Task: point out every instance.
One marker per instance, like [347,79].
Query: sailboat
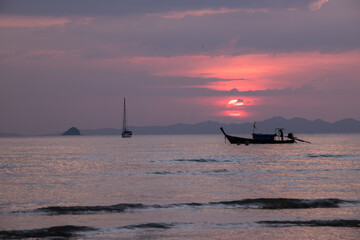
[125,132]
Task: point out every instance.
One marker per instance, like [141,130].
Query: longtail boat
[261,138]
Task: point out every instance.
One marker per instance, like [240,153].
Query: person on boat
[281,134]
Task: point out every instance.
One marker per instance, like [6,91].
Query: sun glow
[249,72]
[235,113]
[236,102]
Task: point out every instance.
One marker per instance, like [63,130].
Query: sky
[71,62]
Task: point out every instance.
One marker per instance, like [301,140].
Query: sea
[179,187]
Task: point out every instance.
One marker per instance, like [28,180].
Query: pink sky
[176,63]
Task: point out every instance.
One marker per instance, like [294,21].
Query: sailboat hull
[126,134]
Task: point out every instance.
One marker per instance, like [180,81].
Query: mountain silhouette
[297,125]
[2,134]
[73,131]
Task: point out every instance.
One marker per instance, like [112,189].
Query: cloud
[331,29]
[68,59]
[204,12]
[41,54]
[249,72]
[137,7]
[317,4]
[11,21]
[32,21]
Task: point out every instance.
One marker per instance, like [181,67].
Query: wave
[62,210]
[328,156]
[200,160]
[216,171]
[162,173]
[149,225]
[8,166]
[285,203]
[257,203]
[313,223]
[70,231]
[51,232]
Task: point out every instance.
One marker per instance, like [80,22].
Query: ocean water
[179,187]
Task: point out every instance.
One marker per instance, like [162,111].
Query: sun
[236,102]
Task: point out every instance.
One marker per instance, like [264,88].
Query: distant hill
[73,131]
[297,125]
[301,125]
[101,131]
[2,134]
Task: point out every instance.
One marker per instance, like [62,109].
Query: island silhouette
[73,131]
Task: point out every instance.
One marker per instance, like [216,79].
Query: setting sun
[236,102]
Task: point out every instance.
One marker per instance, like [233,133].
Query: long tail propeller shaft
[298,139]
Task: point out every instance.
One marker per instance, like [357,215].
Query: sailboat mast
[124,116]
[125,133]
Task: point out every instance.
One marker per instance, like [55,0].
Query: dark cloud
[205,92]
[334,28]
[126,7]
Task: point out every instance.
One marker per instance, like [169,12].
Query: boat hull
[246,141]
[126,134]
